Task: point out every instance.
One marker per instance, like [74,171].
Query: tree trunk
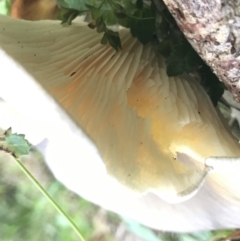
[213,29]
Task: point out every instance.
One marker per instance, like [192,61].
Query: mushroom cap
[139,118]
[35,10]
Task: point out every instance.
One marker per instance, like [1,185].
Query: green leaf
[17,144]
[104,39]
[101,26]
[136,16]
[113,39]
[142,25]
[104,15]
[67,15]
[182,59]
[72,4]
[125,22]
[120,14]
[145,21]
[95,12]
[139,4]
[129,6]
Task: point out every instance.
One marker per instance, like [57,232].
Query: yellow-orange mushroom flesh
[138,117]
[35,9]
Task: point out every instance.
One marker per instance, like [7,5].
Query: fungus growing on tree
[140,120]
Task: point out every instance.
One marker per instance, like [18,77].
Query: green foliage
[101,18]
[182,59]
[5,6]
[68,15]
[147,23]
[180,56]
[135,15]
[72,4]
[27,215]
[13,143]
[209,80]
[17,143]
[141,231]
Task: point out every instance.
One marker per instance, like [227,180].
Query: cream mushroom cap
[138,117]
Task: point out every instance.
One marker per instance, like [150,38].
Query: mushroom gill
[137,116]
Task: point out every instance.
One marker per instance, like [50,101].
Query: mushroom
[154,133]
[35,10]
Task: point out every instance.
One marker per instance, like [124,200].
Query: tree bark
[213,29]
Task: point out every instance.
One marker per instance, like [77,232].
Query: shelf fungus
[153,132]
